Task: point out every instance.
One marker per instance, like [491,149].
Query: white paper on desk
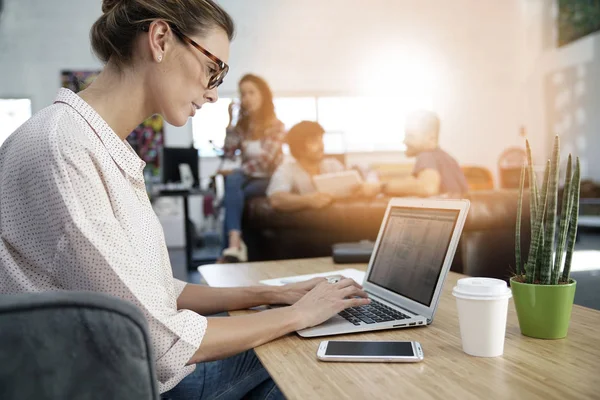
[355,274]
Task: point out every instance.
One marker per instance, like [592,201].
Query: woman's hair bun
[108,5]
[113,35]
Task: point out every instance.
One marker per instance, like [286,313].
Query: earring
[159,58]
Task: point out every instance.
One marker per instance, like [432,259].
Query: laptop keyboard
[372,313]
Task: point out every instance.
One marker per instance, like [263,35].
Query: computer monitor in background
[172,157]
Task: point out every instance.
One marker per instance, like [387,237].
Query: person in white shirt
[292,188]
[74,213]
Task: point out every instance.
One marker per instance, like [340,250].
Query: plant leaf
[518,260]
[537,234]
[533,193]
[572,235]
[564,223]
[547,265]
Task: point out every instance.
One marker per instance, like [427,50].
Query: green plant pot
[544,311]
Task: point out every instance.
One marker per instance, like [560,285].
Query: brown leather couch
[486,248]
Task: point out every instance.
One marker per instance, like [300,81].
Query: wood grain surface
[529,369]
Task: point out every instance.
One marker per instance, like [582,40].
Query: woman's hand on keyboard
[292,292]
[328,299]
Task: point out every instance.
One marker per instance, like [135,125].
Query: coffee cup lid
[481,289]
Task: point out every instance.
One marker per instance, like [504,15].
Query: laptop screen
[412,250]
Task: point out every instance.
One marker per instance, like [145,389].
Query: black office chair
[67,345]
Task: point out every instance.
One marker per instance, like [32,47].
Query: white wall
[40,38]
[490,61]
[561,87]
[464,49]
[341,46]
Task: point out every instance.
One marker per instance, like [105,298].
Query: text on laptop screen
[412,250]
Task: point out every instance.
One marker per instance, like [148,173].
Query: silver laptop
[413,253]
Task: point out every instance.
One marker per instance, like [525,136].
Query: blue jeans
[237,377]
[238,188]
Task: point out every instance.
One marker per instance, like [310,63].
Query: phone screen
[370,349]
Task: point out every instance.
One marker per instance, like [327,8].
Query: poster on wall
[77,80]
[576,19]
[146,139]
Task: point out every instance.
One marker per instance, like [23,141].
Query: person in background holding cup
[258,135]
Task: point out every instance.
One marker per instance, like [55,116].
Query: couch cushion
[487,240]
[494,209]
[489,210]
[340,215]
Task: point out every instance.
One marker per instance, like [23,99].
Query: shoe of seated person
[236,254]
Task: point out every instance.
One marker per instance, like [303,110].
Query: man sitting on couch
[292,187]
[435,171]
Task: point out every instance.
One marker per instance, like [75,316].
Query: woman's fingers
[356,302]
[353,291]
[347,282]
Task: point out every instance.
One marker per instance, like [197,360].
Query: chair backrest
[478,178]
[509,167]
[71,345]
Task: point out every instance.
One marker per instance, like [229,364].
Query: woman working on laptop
[76,216]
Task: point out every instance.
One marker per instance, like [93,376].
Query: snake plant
[544,263]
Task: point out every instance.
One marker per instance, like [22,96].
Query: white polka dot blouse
[74,215]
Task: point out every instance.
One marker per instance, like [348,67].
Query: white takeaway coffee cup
[482,307]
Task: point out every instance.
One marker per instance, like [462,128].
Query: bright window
[13,113]
[352,124]
[291,110]
[209,125]
[365,123]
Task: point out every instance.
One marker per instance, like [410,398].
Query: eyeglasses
[216,77]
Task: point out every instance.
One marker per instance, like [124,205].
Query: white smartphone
[369,351]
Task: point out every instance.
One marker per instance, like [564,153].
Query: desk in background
[191,263]
[589,213]
[529,369]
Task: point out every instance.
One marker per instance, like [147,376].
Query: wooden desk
[529,368]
